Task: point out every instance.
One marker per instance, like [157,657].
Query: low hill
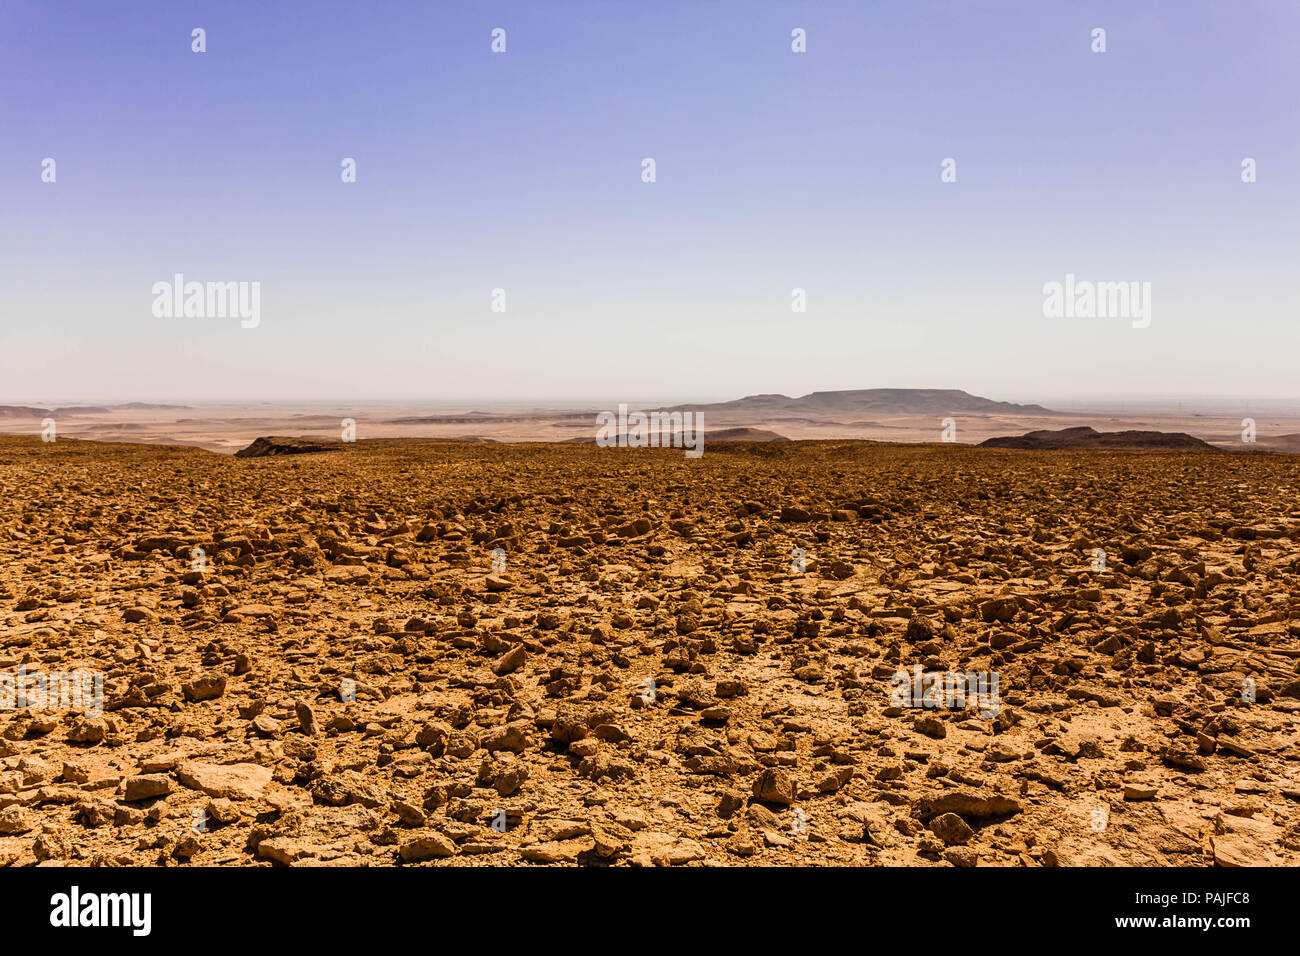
[872,402]
[1085,437]
[1286,443]
[270,445]
[742,434]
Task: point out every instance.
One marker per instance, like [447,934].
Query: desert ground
[312,659]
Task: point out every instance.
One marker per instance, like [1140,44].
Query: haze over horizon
[522,171]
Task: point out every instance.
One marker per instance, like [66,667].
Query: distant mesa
[873,402]
[268,447]
[32,411]
[1085,437]
[861,406]
[742,434]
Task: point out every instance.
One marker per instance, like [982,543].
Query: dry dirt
[650,680]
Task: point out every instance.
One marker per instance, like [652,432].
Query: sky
[522,171]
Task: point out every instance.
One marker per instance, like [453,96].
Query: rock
[568,726]
[307,719]
[1006,751]
[609,840]
[1242,841]
[318,835]
[549,831]
[222,810]
[951,829]
[409,814]
[1137,791]
[511,661]
[14,821]
[653,848]
[931,726]
[347,788]
[266,725]
[920,630]
[88,730]
[774,785]
[237,781]
[434,736]
[741,845]
[427,845]
[967,805]
[207,687]
[835,779]
[728,803]
[507,780]
[773,839]
[556,851]
[253,611]
[999,609]
[961,856]
[513,737]
[353,574]
[1183,757]
[147,786]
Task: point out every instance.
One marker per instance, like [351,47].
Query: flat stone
[235,781]
[147,786]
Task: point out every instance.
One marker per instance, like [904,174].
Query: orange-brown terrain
[310,659]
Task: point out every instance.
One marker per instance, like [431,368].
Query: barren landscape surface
[310,659]
[892,415]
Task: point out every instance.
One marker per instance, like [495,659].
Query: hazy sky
[523,171]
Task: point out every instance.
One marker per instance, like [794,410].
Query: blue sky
[522,171]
